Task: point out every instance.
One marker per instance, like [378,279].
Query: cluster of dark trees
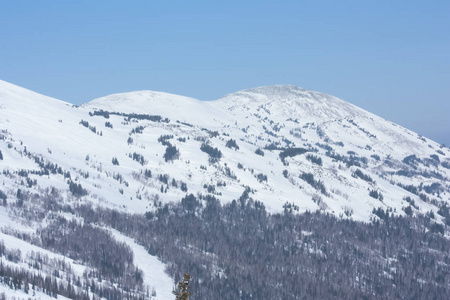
[314,159]
[414,172]
[148,173]
[232,144]
[137,157]
[239,251]
[112,260]
[376,157]
[164,139]
[351,160]
[153,118]
[273,146]
[115,161]
[211,133]
[261,177]
[432,189]
[362,129]
[138,129]
[164,178]
[446,164]
[86,124]
[30,281]
[375,194]
[227,171]
[444,211]
[214,153]
[3,198]
[210,188]
[102,113]
[435,187]
[317,184]
[267,131]
[291,152]
[413,161]
[76,189]
[358,173]
[47,167]
[171,152]
[412,203]
[435,157]
[326,147]
[185,123]
[259,152]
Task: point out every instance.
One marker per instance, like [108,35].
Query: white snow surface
[154,270]
[51,129]
[34,126]
[21,295]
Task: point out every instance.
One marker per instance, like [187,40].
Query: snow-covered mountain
[344,137]
[288,147]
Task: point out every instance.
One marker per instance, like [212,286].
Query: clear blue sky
[389,57]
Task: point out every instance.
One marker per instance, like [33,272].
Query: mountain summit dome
[289,101]
[158,103]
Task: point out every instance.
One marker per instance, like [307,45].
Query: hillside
[286,148]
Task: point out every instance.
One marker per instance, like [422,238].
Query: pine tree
[182,292]
[115,161]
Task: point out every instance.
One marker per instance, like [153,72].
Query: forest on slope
[239,251]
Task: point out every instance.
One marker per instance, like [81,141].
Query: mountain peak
[289,101]
[138,98]
[275,89]
[268,91]
[168,105]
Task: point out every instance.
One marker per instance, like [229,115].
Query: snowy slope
[286,116]
[79,145]
[172,106]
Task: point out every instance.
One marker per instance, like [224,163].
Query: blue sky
[389,57]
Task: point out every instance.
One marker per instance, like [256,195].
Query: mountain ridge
[284,116]
[276,150]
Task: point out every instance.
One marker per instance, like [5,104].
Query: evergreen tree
[171,153]
[259,152]
[19,196]
[232,144]
[182,292]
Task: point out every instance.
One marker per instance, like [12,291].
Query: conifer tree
[182,292]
